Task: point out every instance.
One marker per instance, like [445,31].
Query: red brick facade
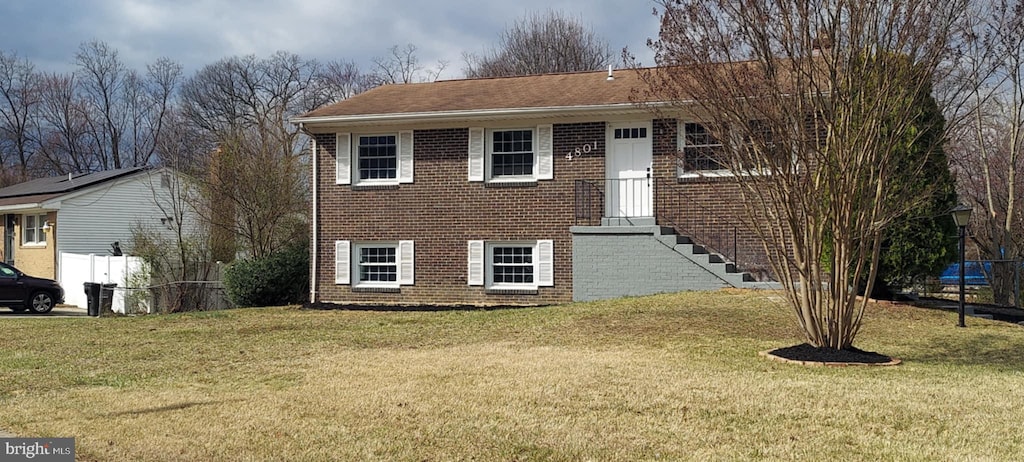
[441,211]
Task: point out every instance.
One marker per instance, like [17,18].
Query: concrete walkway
[59,311]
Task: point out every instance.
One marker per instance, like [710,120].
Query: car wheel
[40,302]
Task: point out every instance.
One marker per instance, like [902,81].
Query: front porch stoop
[617,261]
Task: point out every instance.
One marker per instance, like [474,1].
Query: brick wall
[633,263]
[441,211]
[709,210]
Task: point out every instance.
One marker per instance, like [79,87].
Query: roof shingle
[578,89]
[56,185]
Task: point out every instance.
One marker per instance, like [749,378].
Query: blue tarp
[974,275]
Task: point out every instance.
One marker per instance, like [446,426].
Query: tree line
[105,115]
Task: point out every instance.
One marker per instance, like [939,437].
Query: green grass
[671,377]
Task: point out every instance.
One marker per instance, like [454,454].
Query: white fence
[77,269]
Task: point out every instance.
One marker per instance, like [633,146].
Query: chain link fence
[175,297]
[993,282]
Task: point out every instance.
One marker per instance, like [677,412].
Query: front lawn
[672,377]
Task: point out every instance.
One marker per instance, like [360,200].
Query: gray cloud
[199,32]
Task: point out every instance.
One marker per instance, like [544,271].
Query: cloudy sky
[199,32]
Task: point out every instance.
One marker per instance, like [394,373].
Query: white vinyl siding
[90,222]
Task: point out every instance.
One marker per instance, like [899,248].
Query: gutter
[21,207]
[313,260]
[442,116]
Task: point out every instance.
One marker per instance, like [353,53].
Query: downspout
[314,257]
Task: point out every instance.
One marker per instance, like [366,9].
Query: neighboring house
[77,213]
[517,191]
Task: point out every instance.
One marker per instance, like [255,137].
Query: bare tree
[542,43]
[63,132]
[176,250]
[242,107]
[340,80]
[104,82]
[813,102]
[988,150]
[402,65]
[150,102]
[253,192]
[19,98]
[120,111]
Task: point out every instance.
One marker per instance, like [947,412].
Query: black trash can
[100,297]
[92,297]
[106,297]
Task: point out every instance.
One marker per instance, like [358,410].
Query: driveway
[60,311]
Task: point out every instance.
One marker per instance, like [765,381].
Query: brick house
[516,191]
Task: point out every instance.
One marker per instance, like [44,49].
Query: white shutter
[343,158]
[341,262]
[476,263]
[476,154]
[405,263]
[545,153]
[405,157]
[545,263]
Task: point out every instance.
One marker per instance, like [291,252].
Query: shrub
[278,279]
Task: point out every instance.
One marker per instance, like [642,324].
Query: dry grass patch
[671,377]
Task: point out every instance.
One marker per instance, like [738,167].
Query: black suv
[20,292]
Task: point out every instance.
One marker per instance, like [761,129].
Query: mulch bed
[810,355]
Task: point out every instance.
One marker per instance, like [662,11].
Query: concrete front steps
[616,261]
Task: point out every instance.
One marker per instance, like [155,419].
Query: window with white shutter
[375,158]
[501,265]
[383,265]
[476,154]
[343,158]
[512,155]
[476,263]
[545,153]
[341,262]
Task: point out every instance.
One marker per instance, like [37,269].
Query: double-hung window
[378,157]
[511,265]
[702,152]
[511,155]
[33,230]
[501,265]
[374,264]
[374,158]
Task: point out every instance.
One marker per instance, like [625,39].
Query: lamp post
[962,216]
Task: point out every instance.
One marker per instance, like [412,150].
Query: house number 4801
[581,150]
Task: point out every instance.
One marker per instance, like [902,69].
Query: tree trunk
[1002,281]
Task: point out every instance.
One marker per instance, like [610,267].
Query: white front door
[629,185]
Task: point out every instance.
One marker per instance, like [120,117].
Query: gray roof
[57,185]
